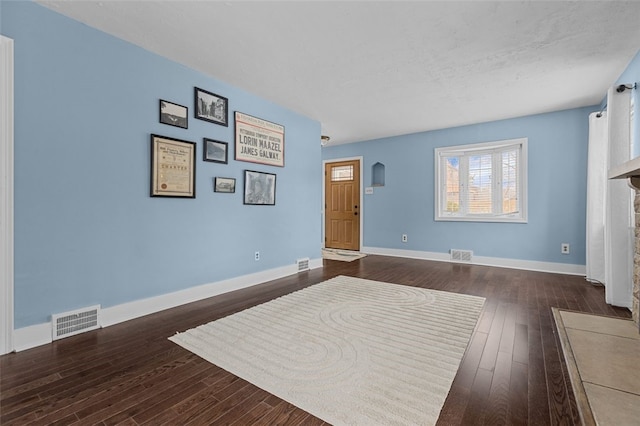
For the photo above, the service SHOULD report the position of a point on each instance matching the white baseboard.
(529, 265)
(32, 336)
(40, 334)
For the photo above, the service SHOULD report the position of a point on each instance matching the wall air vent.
(463, 256)
(303, 264)
(75, 322)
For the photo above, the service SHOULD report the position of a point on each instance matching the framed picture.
(259, 141)
(259, 188)
(214, 151)
(211, 107)
(223, 184)
(173, 167)
(174, 114)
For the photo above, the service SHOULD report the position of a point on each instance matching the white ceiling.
(368, 70)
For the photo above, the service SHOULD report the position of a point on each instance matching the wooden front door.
(342, 205)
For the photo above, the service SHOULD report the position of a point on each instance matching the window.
(339, 173)
(483, 182)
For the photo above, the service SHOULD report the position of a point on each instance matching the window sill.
(481, 219)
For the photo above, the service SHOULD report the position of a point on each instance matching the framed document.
(173, 167)
(259, 141)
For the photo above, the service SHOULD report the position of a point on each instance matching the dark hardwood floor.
(130, 374)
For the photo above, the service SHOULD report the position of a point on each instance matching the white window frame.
(475, 149)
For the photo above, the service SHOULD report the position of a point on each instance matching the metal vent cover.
(74, 322)
(303, 264)
(464, 256)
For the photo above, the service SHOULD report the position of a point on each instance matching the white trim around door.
(6, 195)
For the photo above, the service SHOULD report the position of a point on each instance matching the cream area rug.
(349, 351)
(342, 255)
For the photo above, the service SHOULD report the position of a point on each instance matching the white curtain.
(596, 193)
(610, 202)
(619, 255)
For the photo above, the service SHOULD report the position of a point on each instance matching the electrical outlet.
(257, 256)
(404, 238)
(564, 248)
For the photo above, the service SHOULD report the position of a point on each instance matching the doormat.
(341, 255)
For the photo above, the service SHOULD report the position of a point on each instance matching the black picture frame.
(259, 188)
(173, 167)
(215, 151)
(173, 114)
(211, 107)
(224, 184)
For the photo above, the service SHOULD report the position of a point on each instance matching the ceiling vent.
(464, 256)
(75, 322)
(303, 264)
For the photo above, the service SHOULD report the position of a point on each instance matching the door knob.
(355, 213)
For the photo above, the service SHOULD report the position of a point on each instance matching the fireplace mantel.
(629, 170)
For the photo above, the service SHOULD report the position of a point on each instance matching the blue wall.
(557, 190)
(86, 230)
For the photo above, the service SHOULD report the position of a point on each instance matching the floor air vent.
(461, 255)
(303, 264)
(75, 322)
